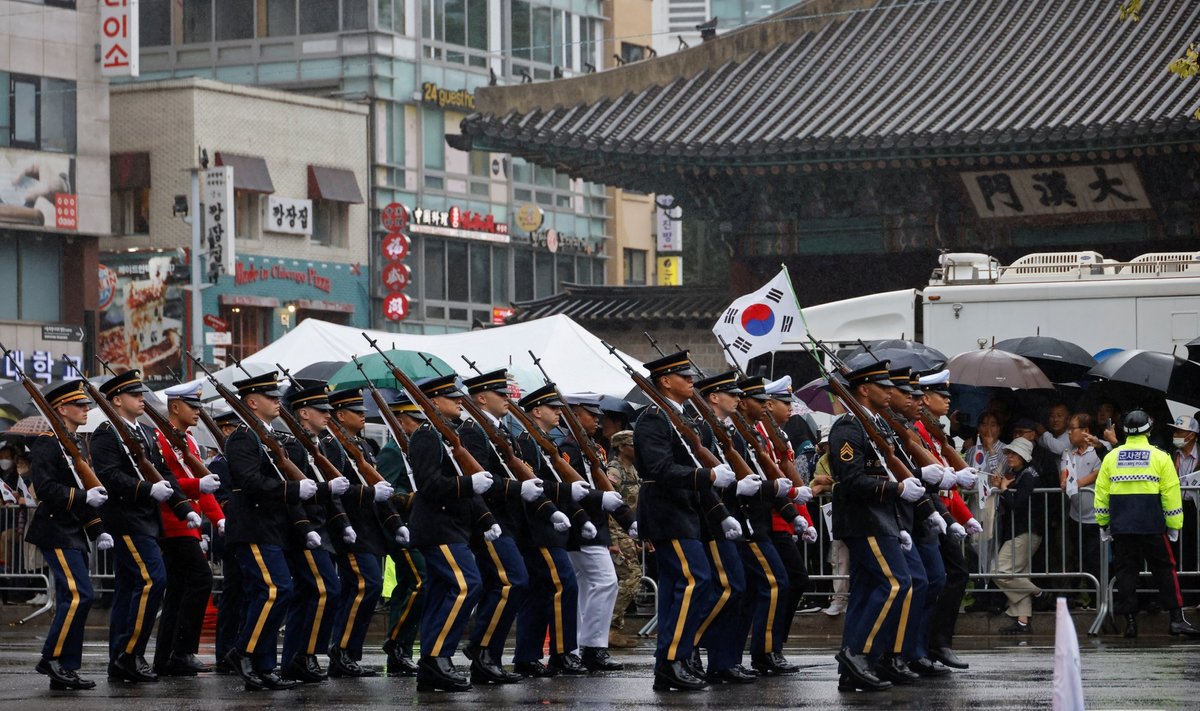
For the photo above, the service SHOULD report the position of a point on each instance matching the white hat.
(190, 394)
(780, 389)
(1187, 424)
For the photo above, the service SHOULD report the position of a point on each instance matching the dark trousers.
(505, 588)
(879, 585)
(361, 585)
(684, 583)
(408, 598)
(310, 609)
(138, 584)
(268, 586)
(551, 606)
(766, 585)
(1084, 551)
(718, 631)
(929, 554)
(944, 617)
(797, 575)
(231, 604)
(189, 583)
(73, 597)
(453, 590)
(1155, 549)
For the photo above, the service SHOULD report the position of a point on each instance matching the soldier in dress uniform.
(189, 576)
(626, 552)
(447, 509)
(132, 517)
(408, 598)
(64, 520)
(379, 526)
(315, 581)
(231, 602)
(264, 517)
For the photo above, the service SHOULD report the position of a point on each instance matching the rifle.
(385, 411)
(174, 437)
(587, 445)
(85, 476)
(916, 449)
(953, 458)
(283, 466)
(700, 453)
(466, 463)
(566, 473)
(324, 467)
(209, 423)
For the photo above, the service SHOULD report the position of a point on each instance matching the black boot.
(243, 667)
(782, 665)
(733, 675)
(535, 669)
(398, 664)
(62, 679)
(125, 668)
(487, 670)
(271, 680)
(438, 674)
(674, 675)
(597, 659)
(927, 667)
(947, 656)
(856, 673)
(1131, 626)
(304, 668)
(568, 664)
(1180, 626)
(892, 669)
(695, 664)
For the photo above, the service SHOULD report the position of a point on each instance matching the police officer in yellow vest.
(1140, 510)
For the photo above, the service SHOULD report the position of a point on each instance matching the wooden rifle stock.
(586, 444)
(370, 474)
(775, 436)
(911, 440)
(389, 418)
(740, 468)
(209, 423)
(953, 458)
(178, 442)
(133, 445)
(566, 472)
(898, 468)
(324, 466)
(765, 462)
(517, 466)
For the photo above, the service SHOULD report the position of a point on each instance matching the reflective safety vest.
(1137, 490)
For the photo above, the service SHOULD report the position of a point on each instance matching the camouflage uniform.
(628, 562)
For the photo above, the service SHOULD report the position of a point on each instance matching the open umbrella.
(997, 369)
(377, 370)
(1193, 349)
(321, 370)
(902, 354)
(1061, 361)
(1171, 375)
(32, 425)
(815, 396)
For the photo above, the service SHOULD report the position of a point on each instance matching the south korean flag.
(757, 323)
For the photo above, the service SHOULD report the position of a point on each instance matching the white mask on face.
(1179, 442)
(5, 465)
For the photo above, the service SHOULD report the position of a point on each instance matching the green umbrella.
(381, 375)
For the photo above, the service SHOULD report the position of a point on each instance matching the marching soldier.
(263, 515)
(132, 517)
(626, 552)
(62, 523)
(189, 577)
(408, 598)
(231, 603)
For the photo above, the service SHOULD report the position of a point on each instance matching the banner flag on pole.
(1068, 679)
(757, 323)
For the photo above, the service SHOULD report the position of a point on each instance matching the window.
(37, 113)
(58, 116)
(391, 16)
(235, 19)
(27, 265)
(632, 52)
(459, 23)
(247, 208)
(197, 21)
(131, 211)
(522, 44)
(434, 270)
(23, 111)
(500, 293)
(354, 14)
(523, 274)
(457, 273)
(433, 129)
(281, 18)
(481, 274)
(318, 16)
(154, 22)
(330, 223)
(543, 277)
(635, 267)
(249, 327)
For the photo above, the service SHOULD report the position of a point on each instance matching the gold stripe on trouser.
(145, 599)
(726, 593)
(769, 638)
(505, 588)
(322, 595)
(412, 599)
(458, 602)
(887, 605)
(66, 628)
(559, 644)
(362, 591)
(272, 595)
(904, 611)
(681, 621)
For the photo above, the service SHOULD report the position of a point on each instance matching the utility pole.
(197, 280)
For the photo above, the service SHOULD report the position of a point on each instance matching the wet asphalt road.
(1006, 675)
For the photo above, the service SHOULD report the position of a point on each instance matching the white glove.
(383, 491)
(161, 491)
(1173, 534)
(966, 477)
(937, 522)
(799, 524)
(911, 489)
(783, 486)
(481, 481)
(312, 540)
(731, 527)
(749, 486)
(931, 473)
(402, 535)
(559, 520)
(588, 531)
(104, 542)
(905, 541)
(611, 501)
(803, 495)
(348, 534)
(810, 534)
(633, 532)
(96, 497)
(221, 527)
(204, 543)
(209, 483)
(957, 532)
(973, 527)
(579, 489)
(949, 479)
(339, 485)
(308, 489)
(723, 476)
(531, 490)
(192, 519)
(1105, 535)
(492, 533)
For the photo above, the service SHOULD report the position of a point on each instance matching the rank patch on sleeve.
(846, 453)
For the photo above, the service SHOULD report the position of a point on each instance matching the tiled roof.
(593, 305)
(902, 79)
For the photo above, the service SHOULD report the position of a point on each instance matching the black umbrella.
(902, 354)
(1193, 349)
(321, 370)
(1175, 377)
(1061, 361)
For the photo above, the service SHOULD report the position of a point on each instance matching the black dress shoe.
(926, 667)
(125, 668)
(487, 670)
(535, 669)
(189, 661)
(62, 679)
(79, 682)
(438, 674)
(892, 669)
(694, 664)
(341, 665)
(947, 656)
(768, 665)
(305, 669)
(568, 664)
(783, 665)
(733, 675)
(145, 668)
(271, 680)
(243, 667)
(1017, 627)
(857, 673)
(597, 659)
(674, 675)
(743, 670)
(398, 664)
(222, 667)
(1131, 629)
(1180, 626)
(848, 682)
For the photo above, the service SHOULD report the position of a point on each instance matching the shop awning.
(263, 302)
(249, 172)
(129, 171)
(334, 184)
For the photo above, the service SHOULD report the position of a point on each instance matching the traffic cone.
(1068, 674)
